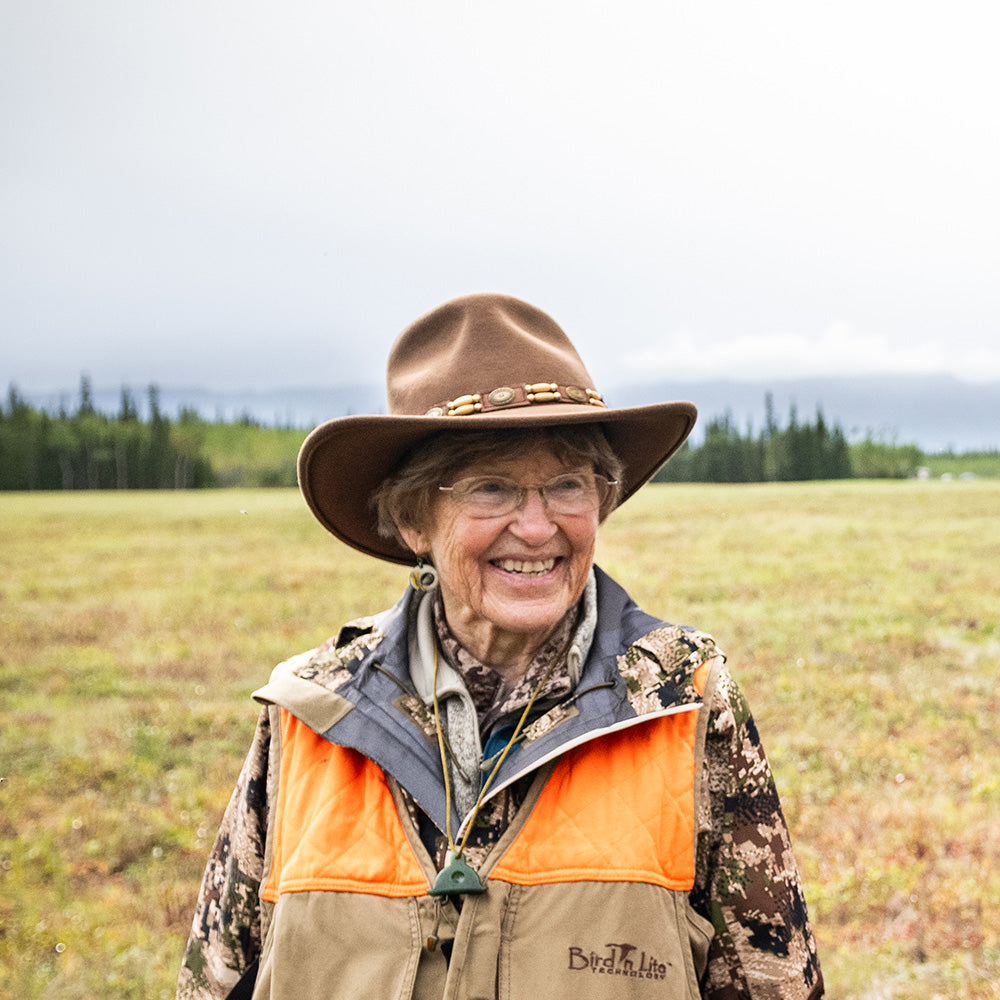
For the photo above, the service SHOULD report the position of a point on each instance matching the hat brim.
(343, 461)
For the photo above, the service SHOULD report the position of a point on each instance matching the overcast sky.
(246, 194)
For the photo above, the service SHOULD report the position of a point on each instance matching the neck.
(508, 653)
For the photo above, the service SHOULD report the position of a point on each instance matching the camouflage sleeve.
(747, 883)
(225, 933)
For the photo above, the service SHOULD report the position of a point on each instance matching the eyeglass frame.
(602, 489)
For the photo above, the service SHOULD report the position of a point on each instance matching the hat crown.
(476, 344)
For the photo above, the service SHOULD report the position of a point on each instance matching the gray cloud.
(258, 194)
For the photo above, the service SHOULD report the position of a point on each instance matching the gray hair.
(407, 496)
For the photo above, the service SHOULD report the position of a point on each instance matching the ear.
(415, 540)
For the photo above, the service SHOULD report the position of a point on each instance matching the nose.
(532, 522)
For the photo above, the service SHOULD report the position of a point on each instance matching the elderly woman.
(514, 783)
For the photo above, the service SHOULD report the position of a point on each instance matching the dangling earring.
(423, 576)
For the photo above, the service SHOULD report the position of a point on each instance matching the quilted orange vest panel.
(336, 827)
(617, 808)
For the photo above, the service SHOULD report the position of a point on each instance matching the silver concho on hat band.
(502, 396)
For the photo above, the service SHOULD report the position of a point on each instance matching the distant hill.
(934, 412)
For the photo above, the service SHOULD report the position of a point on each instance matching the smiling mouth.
(524, 567)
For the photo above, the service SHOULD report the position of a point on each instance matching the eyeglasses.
(496, 496)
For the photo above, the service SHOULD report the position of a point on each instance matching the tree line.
(798, 451)
(91, 450)
(85, 449)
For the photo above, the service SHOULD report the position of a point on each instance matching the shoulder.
(663, 665)
(329, 664)
(667, 666)
(308, 684)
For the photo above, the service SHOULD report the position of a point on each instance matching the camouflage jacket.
(746, 883)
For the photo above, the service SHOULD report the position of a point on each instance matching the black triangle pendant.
(457, 878)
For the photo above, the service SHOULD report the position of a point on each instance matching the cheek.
(460, 548)
(459, 569)
(583, 539)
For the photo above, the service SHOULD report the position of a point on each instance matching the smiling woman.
(507, 580)
(472, 793)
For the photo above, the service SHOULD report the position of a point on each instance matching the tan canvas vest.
(587, 889)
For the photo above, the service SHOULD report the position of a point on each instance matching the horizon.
(900, 411)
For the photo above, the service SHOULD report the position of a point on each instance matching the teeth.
(528, 568)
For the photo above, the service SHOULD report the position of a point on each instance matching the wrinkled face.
(519, 572)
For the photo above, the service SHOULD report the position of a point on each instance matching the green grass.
(861, 618)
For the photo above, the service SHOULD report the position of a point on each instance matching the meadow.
(861, 618)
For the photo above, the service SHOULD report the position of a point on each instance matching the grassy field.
(861, 619)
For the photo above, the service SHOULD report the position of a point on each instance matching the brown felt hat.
(474, 363)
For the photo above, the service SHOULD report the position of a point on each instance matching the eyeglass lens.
(491, 496)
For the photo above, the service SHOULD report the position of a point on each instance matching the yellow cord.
(458, 851)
